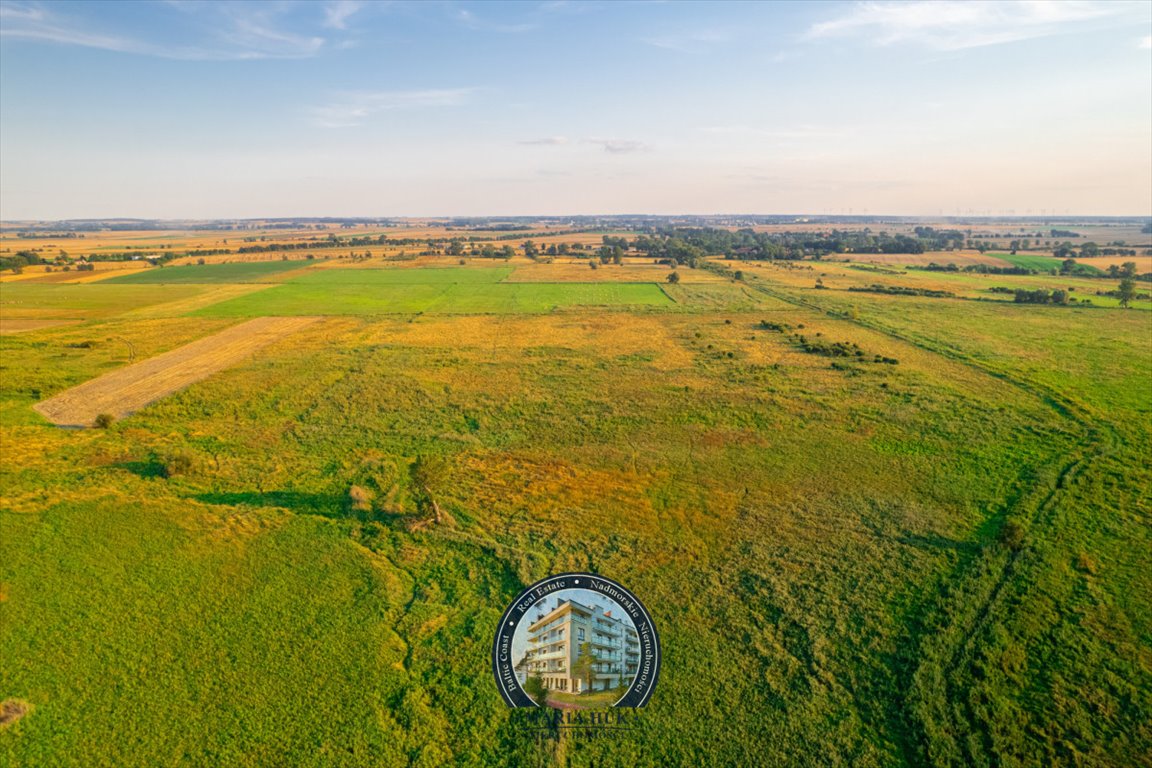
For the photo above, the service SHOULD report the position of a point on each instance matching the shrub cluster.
(900, 290)
(839, 349)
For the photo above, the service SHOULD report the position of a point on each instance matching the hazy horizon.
(1053, 217)
(202, 111)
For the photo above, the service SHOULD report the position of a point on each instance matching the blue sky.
(193, 110)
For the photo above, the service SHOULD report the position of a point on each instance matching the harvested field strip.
(85, 302)
(391, 275)
(129, 389)
(47, 273)
(199, 301)
(24, 324)
(78, 278)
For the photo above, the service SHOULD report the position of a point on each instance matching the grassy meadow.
(936, 561)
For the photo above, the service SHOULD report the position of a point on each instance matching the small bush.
(1085, 564)
(534, 687)
(1012, 535)
(104, 421)
(176, 463)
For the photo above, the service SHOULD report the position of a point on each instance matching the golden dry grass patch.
(623, 334)
(10, 325)
(39, 273)
(1143, 263)
(548, 490)
(12, 711)
(959, 258)
(126, 390)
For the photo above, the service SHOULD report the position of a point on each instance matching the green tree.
(1128, 269)
(674, 277)
(585, 665)
(428, 472)
(1126, 292)
(534, 687)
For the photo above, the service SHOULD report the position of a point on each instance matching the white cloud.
(958, 24)
(353, 108)
(1146, 42)
(472, 21)
(549, 141)
(612, 146)
(239, 31)
(256, 35)
(691, 42)
(337, 13)
(619, 146)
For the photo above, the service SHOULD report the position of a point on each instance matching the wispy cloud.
(1146, 42)
(619, 146)
(958, 24)
(561, 6)
(237, 32)
(254, 32)
(354, 107)
(337, 13)
(33, 22)
(798, 132)
(472, 21)
(612, 146)
(689, 42)
(548, 141)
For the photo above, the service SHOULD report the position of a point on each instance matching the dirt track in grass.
(126, 390)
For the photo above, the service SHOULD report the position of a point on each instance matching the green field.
(239, 272)
(384, 298)
(1039, 262)
(936, 562)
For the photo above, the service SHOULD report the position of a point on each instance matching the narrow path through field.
(129, 389)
